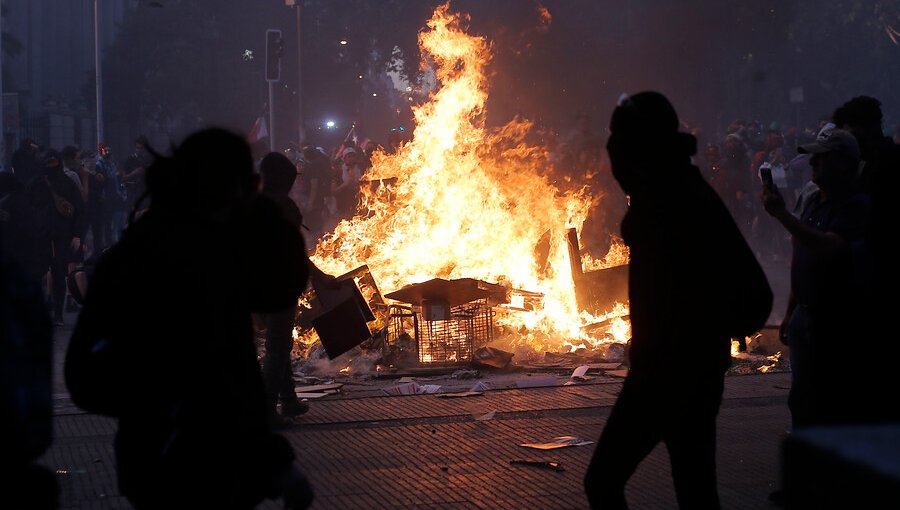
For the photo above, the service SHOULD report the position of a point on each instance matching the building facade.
(49, 84)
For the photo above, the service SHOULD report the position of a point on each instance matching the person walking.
(686, 253)
(278, 176)
(174, 298)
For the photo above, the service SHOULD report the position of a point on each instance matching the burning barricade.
(477, 247)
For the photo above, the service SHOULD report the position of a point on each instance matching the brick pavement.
(423, 452)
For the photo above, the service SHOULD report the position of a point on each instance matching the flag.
(349, 141)
(351, 136)
(258, 131)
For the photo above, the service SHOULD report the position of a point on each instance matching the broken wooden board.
(460, 394)
(319, 388)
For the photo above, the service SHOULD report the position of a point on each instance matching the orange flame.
(465, 201)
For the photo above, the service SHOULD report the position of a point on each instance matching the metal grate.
(455, 340)
(403, 334)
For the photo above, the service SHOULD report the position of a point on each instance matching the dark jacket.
(687, 257)
(41, 190)
(174, 299)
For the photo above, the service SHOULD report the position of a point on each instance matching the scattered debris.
(460, 394)
(407, 379)
(480, 386)
(618, 373)
(580, 373)
(546, 464)
(485, 416)
(603, 366)
(558, 442)
(465, 374)
(412, 388)
(492, 357)
(319, 388)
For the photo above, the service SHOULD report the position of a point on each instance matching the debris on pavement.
(558, 442)
(485, 416)
(480, 386)
(546, 464)
(465, 374)
(580, 373)
(492, 357)
(319, 388)
(412, 388)
(603, 366)
(460, 394)
(618, 373)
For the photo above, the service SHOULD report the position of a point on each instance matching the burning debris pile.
(474, 243)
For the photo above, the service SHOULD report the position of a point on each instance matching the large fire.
(467, 201)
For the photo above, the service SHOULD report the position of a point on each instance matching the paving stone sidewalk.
(425, 452)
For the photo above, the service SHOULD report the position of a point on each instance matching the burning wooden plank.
(599, 290)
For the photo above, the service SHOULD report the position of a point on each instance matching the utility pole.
(301, 133)
(97, 73)
(2, 113)
(274, 52)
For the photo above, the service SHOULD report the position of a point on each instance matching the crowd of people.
(61, 207)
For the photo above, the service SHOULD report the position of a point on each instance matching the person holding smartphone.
(828, 281)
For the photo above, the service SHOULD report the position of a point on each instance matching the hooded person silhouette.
(686, 253)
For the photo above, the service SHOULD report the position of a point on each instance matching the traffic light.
(274, 52)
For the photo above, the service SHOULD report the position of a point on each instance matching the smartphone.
(765, 176)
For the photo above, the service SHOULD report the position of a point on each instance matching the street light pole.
(2, 113)
(271, 116)
(301, 134)
(97, 73)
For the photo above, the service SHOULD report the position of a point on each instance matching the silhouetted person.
(829, 302)
(316, 170)
(54, 196)
(25, 230)
(278, 175)
(879, 178)
(26, 344)
(133, 170)
(25, 162)
(169, 310)
(686, 254)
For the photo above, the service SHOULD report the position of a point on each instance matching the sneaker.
(294, 408)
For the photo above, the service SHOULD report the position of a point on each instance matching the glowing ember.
(467, 201)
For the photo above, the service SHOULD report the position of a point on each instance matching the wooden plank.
(319, 388)
(312, 395)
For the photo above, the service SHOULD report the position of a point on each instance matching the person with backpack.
(686, 254)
